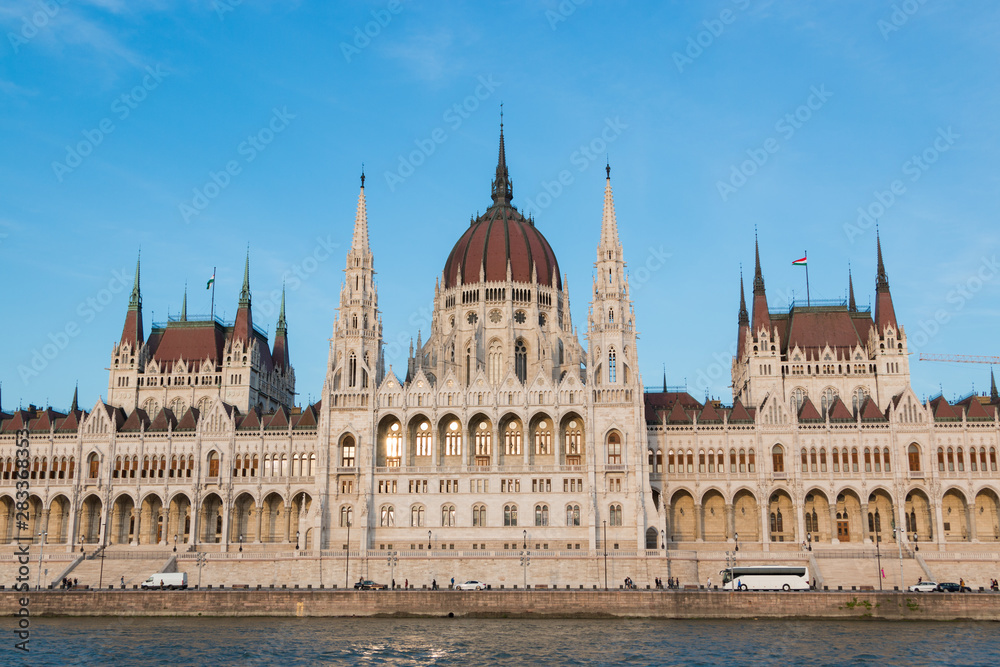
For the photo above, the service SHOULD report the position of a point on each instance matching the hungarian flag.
(800, 262)
(210, 281)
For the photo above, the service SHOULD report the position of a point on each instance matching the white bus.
(766, 578)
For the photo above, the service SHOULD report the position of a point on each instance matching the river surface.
(467, 642)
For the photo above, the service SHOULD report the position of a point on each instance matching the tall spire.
(282, 325)
(609, 222)
(503, 189)
(994, 397)
(132, 331)
(881, 279)
(245, 292)
(360, 241)
(744, 317)
(758, 275)
(74, 407)
(852, 305)
(279, 353)
(184, 305)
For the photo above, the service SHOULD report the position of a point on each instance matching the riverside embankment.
(512, 604)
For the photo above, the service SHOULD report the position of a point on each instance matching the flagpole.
(808, 301)
(213, 291)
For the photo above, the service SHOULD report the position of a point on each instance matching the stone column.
(938, 523)
(865, 535)
(137, 533)
(260, 518)
(288, 523)
(45, 525)
(833, 525)
(699, 522)
(800, 521)
(730, 521)
(115, 530)
(225, 523)
(971, 517)
(765, 523)
(195, 509)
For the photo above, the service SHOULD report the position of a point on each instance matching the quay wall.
(861, 605)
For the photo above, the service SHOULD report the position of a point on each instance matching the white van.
(169, 580)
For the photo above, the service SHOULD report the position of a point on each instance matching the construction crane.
(960, 358)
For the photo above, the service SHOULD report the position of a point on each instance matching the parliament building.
(509, 432)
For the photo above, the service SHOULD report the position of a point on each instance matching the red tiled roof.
(813, 329)
(191, 341)
(870, 411)
(277, 420)
(739, 413)
(307, 419)
(709, 414)
(942, 410)
(189, 421)
(164, 419)
(135, 421)
(839, 412)
(71, 422)
(250, 422)
(677, 415)
(808, 412)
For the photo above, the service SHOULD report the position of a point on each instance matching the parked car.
(924, 587)
(162, 580)
(369, 585)
(472, 586)
(952, 587)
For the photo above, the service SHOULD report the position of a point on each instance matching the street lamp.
(736, 536)
(175, 543)
(809, 541)
(428, 540)
(666, 552)
(391, 560)
(202, 558)
(916, 547)
(82, 539)
(296, 540)
(605, 544)
(525, 558)
(878, 553)
(241, 542)
(347, 551)
(41, 549)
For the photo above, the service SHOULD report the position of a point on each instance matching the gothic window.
(797, 399)
(479, 515)
(614, 449)
(424, 439)
(573, 439)
(387, 516)
(612, 367)
(393, 446)
(778, 458)
(448, 516)
(827, 399)
(417, 516)
(512, 439)
(468, 364)
(495, 316)
(543, 438)
(495, 362)
(611, 315)
(521, 361)
(510, 515)
(352, 371)
(93, 466)
(615, 515)
(347, 452)
(572, 515)
(483, 439)
(213, 465)
(541, 515)
(472, 318)
(453, 440)
(858, 398)
(520, 317)
(346, 516)
(354, 321)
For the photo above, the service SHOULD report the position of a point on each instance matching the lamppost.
(666, 552)
(736, 536)
(241, 542)
(175, 543)
(391, 560)
(916, 547)
(296, 540)
(202, 558)
(809, 541)
(525, 558)
(605, 544)
(428, 540)
(82, 539)
(878, 553)
(897, 535)
(730, 565)
(42, 535)
(104, 540)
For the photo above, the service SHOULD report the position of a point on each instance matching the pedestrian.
(76, 582)
(709, 584)
(123, 581)
(393, 584)
(434, 584)
(961, 585)
(406, 584)
(453, 582)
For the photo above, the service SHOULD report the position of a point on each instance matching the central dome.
(499, 237)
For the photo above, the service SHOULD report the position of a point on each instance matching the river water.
(466, 642)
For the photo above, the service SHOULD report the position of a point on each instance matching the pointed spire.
(609, 221)
(282, 325)
(852, 305)
(744, 317)
(503, 189)
(184, 305)
(279, 352)
(132, 331)
(664, 378)
(994, 397)
(135, 302)
(360, 240)
(758, 275)
(74, 407)
(881, 279)
(245, 293)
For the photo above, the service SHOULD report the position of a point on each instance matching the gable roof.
(808, 412)
(838, 412)
(189, 421)
(739, 413)
(136, 421)
(942, 410)
(870, 411)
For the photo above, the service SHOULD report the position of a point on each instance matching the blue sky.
(192, 129)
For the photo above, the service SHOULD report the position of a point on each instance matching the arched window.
(778, 458)
(468, 365)
(858, 398)
(484, 440)
(424, 439)
(521, 361)
(352, 365)
(752, 466)
(543, 438)
(346, 516)
(615, 515)
(611, 311)
(827, 398)
(393, 446)
(387, 516)
(93, 466)
(612, 367)
(868, 460)
(572, 515)
(118, 466)
(573, 440)
(854, 459)
(885, 460)
(960, 456)
(541, 515)
(453, 440)
(510, 515)
(347, 453)
(479, 515)
(512, 439)
(614, 448)
(448, 516)
(798, 397)
(494, 362)
(417, 516)
(213, 465)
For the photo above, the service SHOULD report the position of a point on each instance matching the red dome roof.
(500, 235)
